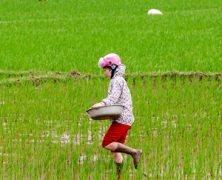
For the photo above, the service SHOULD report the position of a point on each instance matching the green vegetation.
(72, 35)
(45, 132)
(49, 77)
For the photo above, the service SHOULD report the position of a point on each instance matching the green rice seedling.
(66, 35)
(46, 133)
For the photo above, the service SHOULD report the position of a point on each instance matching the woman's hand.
(98, 104)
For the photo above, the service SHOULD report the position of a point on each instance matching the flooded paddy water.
(46, 134)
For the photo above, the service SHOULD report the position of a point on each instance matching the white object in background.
(154, 12)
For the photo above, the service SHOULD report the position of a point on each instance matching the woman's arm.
(115, 92)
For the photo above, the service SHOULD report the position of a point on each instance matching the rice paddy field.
(63, 35)
(49, 77)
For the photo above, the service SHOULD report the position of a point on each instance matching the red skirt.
(116, 133)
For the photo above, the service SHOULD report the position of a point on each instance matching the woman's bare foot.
(136, 158)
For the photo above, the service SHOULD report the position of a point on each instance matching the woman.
(118, 93)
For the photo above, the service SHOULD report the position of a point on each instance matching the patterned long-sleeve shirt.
(119, 93)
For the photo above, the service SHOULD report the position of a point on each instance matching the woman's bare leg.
(118, 147)
(118, 158)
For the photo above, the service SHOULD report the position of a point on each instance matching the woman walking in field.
(118, 93)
